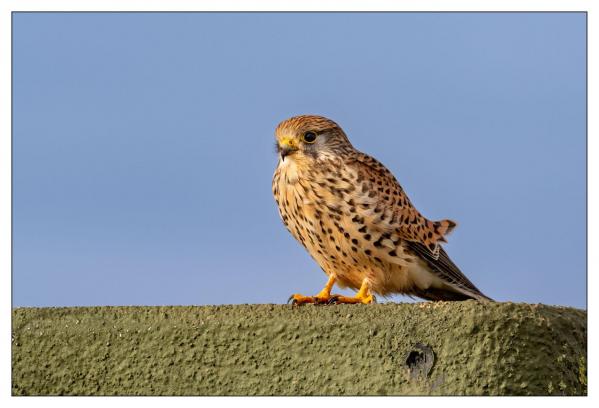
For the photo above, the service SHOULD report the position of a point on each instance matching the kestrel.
(355, 220)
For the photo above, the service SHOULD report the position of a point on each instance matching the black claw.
(318, 301)
(333, 300)
(291, 301)
(374, 299)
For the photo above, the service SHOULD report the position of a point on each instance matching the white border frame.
(8, 6)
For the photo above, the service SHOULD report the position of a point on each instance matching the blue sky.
(143, 147)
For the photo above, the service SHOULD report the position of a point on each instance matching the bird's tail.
(444, 228)
(436, 294)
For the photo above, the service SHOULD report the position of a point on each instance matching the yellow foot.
(338, 299)
(297, 299)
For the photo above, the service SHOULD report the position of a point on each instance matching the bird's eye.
(309, 137)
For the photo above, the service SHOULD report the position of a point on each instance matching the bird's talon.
(300, 300)
(294, 301)
(291, 301)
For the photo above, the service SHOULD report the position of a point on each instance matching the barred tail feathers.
(444, 228)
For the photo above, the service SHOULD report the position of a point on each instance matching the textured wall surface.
(478, 349)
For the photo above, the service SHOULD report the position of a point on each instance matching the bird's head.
(310, 137)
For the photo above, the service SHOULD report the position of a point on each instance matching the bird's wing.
(447, 271)
(384, 205)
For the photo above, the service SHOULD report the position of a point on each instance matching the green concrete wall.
(478, 349)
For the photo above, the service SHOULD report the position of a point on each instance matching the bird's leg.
(363, 296)
(323, 297)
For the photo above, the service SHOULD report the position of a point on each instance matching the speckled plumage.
(355, 220)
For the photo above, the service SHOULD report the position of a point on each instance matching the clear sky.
(143, 147)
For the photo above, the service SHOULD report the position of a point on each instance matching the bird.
(355, 220)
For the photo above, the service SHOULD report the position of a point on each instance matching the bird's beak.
(286, 151)
(287, 146)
